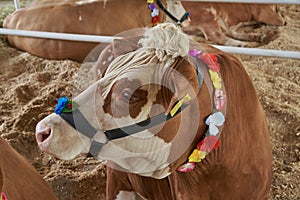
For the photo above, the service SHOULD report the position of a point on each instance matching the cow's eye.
(129, 96)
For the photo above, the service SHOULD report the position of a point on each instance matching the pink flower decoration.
(187, 167)
(219, 99)
(194, 52)
(208, 143)
(211, 61)
(3, 196)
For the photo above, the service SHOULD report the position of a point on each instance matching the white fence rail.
(251, 1)
(17, 2)
(108, 39)
(259, 52)
(57, 36)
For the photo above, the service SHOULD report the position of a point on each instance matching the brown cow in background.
(218, 22)
(19, 180)
(98, 17)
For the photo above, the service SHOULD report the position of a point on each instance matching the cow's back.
(267, 14)
(96, 18)
(206, 13)
(18, 178)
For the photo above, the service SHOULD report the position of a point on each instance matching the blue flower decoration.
(62, 101)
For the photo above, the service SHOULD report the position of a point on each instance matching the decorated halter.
(69, 111)
(165, 52)
(155, 13)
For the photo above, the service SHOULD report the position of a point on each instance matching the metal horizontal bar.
(108, 39)
(251, 1)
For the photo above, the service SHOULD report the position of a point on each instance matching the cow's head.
(151, 78)
(177, 10)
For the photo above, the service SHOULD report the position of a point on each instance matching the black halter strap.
(77, 120)
(177, 21)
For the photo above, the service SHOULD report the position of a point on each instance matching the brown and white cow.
(96, 17)
(143, 78)
(218, 22)
(18, 178)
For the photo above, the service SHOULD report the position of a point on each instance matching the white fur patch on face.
(64, 142)
(143, 153)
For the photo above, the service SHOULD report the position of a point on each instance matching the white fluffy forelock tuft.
(166, 39)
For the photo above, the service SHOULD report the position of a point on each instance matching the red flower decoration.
(155, 20)
(211, 61)
(69, 106)
(208, 143)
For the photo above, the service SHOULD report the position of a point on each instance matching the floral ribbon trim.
(3, 196)
(65, 105)
(216, 119)
(154, 12)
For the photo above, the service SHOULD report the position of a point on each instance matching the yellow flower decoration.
(214, 76)
(197, 156)
(150, 1)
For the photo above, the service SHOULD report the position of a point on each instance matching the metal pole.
(251, 1)
(259, 52)
(108, 39)
(17, 4)
(58, 36)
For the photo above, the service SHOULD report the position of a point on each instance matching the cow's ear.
(183, 82)
(116, 48)
(102, 62)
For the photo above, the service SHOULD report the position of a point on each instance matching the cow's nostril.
(43, 135)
